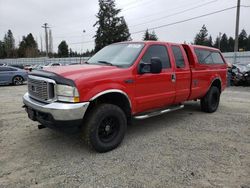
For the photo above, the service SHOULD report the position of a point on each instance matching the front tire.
(17, 80)
(211, 101)
(105, 127)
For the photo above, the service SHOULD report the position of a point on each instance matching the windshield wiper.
(105, 62)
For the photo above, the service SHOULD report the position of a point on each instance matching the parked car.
(20, 66)
(240, 74)
(27, 67)
(34, 67)
(12, 75)
(37, 67)
(52, 65)
(74, 63)
(124, 81)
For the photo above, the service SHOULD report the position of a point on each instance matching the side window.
(7, 69)
(217, 58)
(157, 51)
(179, 59)
(204, 56)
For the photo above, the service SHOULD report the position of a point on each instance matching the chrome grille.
(40, 88)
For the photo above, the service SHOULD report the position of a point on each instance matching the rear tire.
(17, 80)
(105, 127)
(211, 101)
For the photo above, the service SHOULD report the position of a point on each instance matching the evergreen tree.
(22, 48)
(28, 47)
(230, 44)
(2, 50)
(248, 43)
(209, 41)
(9, 44)
(63, 50)
(217, 42)
(146, 35)
(224, 43)
(31, 46)
(243, 40)
(110, 27)
(149, 36)
(201, 37)
(71, 53)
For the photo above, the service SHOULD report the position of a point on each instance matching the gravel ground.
(186, 148)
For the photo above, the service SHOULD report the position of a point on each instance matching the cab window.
(159, 51)
(208, 56)
(217, 59)
(178, 56)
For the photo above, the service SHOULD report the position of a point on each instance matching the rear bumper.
(55, 112)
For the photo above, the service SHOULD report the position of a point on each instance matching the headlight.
(67, 93)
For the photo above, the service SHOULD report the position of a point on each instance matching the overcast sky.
(68, 19)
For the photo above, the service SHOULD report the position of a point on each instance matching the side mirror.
(156, 65)
(144, 68)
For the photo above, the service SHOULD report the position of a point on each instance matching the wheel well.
(17, 76)
(116, 99)
(217, 83)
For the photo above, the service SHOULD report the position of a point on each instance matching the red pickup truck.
(124, 81)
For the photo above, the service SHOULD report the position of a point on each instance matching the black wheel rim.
(108, 129)
(215, 99)
(18, 80)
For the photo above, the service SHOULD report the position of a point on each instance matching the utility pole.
(236, 43)
(82, 46)
(50, 42)
(41, 43)
(45, 26)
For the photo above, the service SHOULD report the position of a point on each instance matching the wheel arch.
(217, 83)
(113, 96)
(17, 75)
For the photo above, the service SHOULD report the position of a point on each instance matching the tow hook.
(41, 126)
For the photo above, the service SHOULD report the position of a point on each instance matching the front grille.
(41, 89)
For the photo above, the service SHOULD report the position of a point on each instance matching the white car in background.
(52, 65)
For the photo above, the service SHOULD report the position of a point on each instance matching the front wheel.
(105, 127)
(17, 80)
(211, 101)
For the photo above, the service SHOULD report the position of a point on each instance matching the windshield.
(121, 55)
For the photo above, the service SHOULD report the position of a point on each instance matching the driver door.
(155, 90)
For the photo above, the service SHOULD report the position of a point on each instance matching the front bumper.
(54, 112)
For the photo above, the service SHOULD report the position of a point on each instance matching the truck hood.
(74, 72)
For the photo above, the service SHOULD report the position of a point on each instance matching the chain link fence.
(237, 57)
(231, 57)
(43, 61)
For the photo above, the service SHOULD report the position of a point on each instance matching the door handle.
(173, 77)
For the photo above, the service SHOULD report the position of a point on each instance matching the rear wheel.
(211, 101)
(105, 127)
(17, 80)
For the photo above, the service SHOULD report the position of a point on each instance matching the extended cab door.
(182, 74)
(155, 90)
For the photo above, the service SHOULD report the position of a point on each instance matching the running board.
(160, 112)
